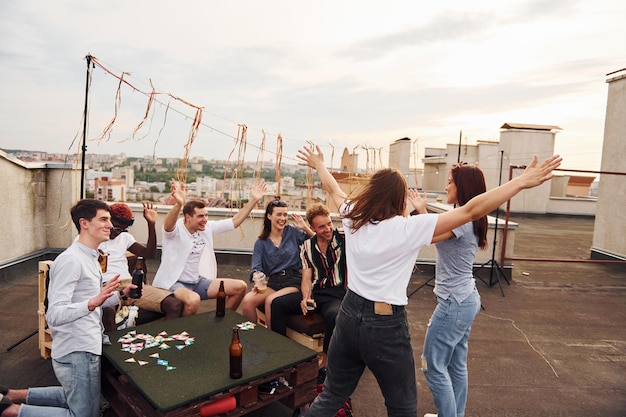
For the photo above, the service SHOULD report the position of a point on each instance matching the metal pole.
(85, 115)
(495, 232)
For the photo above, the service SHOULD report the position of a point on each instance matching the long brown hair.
(269, 209)
(382, 198)
(470, 182)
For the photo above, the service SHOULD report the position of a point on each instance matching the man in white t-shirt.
(188, 265)
(152, 298)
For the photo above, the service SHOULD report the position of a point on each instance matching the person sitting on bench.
(154, 299)
(324, 277)
(188, 264)
(276, 253)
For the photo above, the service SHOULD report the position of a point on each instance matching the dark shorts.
(284, 279)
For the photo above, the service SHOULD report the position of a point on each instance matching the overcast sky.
(339, 73)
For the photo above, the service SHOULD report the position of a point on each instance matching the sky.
(340, 74)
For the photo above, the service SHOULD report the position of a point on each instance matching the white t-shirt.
(191, 272)
(380, 257)
(178, 244)
(117, 262)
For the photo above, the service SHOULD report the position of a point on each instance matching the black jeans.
(328, 301)
(380, 342)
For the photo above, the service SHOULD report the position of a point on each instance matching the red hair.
(122, 213)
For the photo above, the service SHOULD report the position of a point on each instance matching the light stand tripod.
(423, 284)
(494, 267)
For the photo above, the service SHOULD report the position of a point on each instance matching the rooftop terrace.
(554, 345)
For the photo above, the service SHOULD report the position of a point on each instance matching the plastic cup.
(260, 280)
(310, 308)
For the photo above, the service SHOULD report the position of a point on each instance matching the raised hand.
(179, 191)
(258, 190)
(310, 158)
(298, 221)
(149, 213)
(535, 175)
(418, 201)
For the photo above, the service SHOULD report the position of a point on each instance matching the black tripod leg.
(477, 275)
(502, 274)
(23, 339)
(499, 275)
(421, 286)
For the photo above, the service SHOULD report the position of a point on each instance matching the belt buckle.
(283, 272)
(382, 308)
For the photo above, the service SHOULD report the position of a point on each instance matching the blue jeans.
(78, 395)
(444, 361)
(380, 342)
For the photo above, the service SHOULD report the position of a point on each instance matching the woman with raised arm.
(444, 359)
(381, 247)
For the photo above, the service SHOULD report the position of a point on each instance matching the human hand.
(149, 213)
(298, 221)
(179, 191)
(306, 303)
(310, 158)
(535, 175)
(418, 201)
(258, 190)
(107, 290)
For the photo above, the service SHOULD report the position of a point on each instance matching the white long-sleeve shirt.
(75, 277)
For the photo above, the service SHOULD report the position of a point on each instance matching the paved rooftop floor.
(554, 345)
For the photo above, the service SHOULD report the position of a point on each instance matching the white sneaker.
(430, 415)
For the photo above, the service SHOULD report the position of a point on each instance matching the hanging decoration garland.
(240, 140)
(145, 117)
(279, 159)
(118, 102)
(193, 133)
(241, 135)
(259, 158)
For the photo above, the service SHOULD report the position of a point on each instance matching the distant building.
(109, 189)
(400, 159)
(90, 179)
(438, 163)
(519, 142)
(125, 173)
(349, 161)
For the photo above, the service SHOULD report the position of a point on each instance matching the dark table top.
(201, 368)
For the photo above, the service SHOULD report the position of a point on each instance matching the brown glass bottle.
(236, 354)
(221, 301)
(138, 277)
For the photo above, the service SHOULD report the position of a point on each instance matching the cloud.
(445, 28)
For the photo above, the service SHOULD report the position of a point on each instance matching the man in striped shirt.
(324, 276)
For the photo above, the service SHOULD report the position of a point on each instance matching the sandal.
(4, 403)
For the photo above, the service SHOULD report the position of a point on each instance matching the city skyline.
(429, 72)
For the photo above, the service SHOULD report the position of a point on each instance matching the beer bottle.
(235, 350)
(221, 301)
(138, 277)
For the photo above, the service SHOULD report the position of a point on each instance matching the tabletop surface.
(194, 363)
